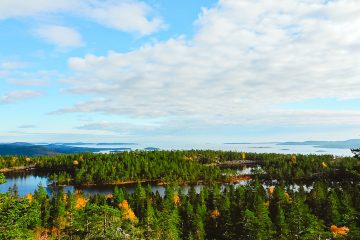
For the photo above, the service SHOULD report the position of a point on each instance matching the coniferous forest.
(285, 197)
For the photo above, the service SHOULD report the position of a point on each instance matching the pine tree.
(333, 215)
(302, 223)
(276, 207)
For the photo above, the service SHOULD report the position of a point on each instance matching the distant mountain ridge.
(346, 144)
(29, 149)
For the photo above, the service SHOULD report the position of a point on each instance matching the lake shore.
(159, 182)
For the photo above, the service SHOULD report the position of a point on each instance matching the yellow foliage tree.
(214, 214)
(76, 162)
(29, 197)
(128, 213)
(243, 155)
(288, 198)
(176, 199)
(293, 159)
(324, 165)
(80, 201)
(271, 190)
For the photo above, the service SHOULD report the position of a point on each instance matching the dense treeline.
(279, 166)
(193, 165)
(329, 211)
(89, 168)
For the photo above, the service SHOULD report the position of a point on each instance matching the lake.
(267, 147)
(28, 182)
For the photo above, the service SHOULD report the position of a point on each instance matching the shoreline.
(18, 169)
(235, 179)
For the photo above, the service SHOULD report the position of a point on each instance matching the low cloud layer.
(246, 59)
(116, 126)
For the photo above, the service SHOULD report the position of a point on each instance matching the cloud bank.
(246, 58)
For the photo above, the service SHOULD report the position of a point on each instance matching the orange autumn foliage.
(124, 205)
(271, 190)
(64, 197)
(29, 197)
(336, 231)
(235, 179)
(214, 214)
(128, 213)
(80, 202)
(54, 231)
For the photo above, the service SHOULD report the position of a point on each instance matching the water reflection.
(28, 182)
(25, 182)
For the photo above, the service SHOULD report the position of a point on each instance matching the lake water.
(247, 147)
(28, 182)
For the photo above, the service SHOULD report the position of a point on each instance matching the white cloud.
(16, 96)
(127, 16)
(124, 15)
(246, 58)
(19, 8)
(61, 36)
(28, 82)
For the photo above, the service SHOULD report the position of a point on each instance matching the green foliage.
(191, 216)
(224, 212)
(2, 178)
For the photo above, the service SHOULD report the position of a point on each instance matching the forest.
(289, 197)
(178, 166)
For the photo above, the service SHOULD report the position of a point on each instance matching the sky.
(179, 71)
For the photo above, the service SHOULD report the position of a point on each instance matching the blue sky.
(179, 71)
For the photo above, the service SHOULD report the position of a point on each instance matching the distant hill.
(28, 149)
(347, 144)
